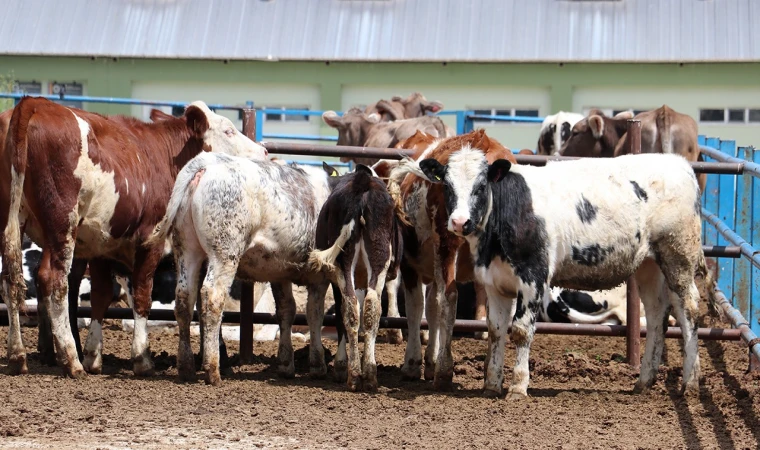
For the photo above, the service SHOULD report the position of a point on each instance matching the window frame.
(494, 111)
(726, 115)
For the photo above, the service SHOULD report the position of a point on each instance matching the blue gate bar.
(754, 315)
(711, 151)
(744, 247)
(117, 101)
(711, 201)
(742, 267)
(299, 137)
(726, 212)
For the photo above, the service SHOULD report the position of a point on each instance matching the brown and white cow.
(415, 105)
(433, 254)
(358, 222)
(88, 186)
(356, 128)
(663, 130)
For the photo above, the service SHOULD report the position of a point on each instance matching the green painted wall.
(109, 77)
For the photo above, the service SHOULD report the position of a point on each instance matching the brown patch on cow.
(196, 121)
(526, 151)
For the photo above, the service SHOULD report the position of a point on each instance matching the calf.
(358, 222)
(90, 187)
(415, 105)
(434, 254)
(355, 128)
(555, 131)
(586, 224)
(663, 130)
(254, 220)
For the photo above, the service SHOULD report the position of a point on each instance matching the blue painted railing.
(731, 204)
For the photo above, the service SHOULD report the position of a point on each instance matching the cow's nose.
(458, 224)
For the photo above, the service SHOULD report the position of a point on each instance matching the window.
(67, 89)
(277, 117)
(178, 111)
(729, 115)
(27, 87)
(520, 112)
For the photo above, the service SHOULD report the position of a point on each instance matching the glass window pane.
(484, 112)
(736, 115)
(526, 112)
(712, 115)
(754, 115)
(639, 111)
(503, 112)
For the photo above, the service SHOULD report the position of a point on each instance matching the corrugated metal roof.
(386, 30)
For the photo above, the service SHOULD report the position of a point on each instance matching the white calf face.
(220, 134)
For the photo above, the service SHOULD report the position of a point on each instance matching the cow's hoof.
(318, 372)
(17, 365)
(443, 384)
(142, 366)
(287, 372)
(93, 370)
(187, 376)
(429, 371)
(411, 370)
(354, 382)
(394, 337)
(481, 335)
(641, 387)
(77, 374)
(490, 393)
(92, 364)
(214, 379)
(690, 389)
(48, 358)
(516, 396)
(370, 385)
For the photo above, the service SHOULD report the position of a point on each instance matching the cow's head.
(219, 134)
(334, 177)
(416, 105)
(353, 127)
(596, 136)
(555, 131)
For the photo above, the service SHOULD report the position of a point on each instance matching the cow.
(355, 128)
(663, 130)
(587, 224)
(415, 105)
(358, 222)
(433, 254)
(254, 220)
(91, 187)
(555, 131)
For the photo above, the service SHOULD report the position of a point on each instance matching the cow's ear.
(365, 169)
(385, 107)
(433, 170)
(596, 123)
(331, 118)
(433, 107)
(373, 118)
(197, 121)
(624, 115)
(498, 170)
(329, 169)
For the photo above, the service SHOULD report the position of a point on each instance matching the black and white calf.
(586, 224)
(358, 222)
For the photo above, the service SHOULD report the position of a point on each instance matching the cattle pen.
(730, 205)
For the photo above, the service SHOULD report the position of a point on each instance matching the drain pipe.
(739, 322)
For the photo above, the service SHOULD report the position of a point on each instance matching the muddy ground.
(580, 398)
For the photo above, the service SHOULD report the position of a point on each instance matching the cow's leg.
(285, 307)
(76, 275)
(649, 279)
(413, 300)
(499, 315)
(425, 334)
(100, 294)
(393, 335)
(685, 303)
(377, 269)
(340, 364)
(447, 295)
(13, 283)
(146, 261)
(189, 261)
(214, 292)
(523, 328)
(45, 345)
(433, 316)
(480, 307)
(315, 308)
(350, 311)
(57, 256)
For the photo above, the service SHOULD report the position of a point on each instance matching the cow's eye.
(229, 132)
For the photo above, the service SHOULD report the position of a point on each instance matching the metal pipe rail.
(287, 148)
(118, 101)
(749, 167)
(740, 324)
(460, 325)
(746, 249)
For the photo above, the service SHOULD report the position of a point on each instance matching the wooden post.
(633, 301)
(246, 295)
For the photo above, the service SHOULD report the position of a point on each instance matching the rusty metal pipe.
(246, 294)
(633, 301)
(460, 325)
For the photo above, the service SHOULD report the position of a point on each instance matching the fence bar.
(746, 249)
(725, 251)
(742, 268)
(711, 150)
(727, 212)
(116, 100)
(246, 294)
(300, 137)
(755, 240)
(633, 301)
(740, 323)
(460, 325)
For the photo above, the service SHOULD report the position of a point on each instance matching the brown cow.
(432, 254)
(416, 105)
(663, 130)
(88, 186)
(355, 128)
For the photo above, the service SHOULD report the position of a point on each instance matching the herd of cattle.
(192, 194)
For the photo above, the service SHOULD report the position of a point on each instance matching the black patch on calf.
(586, 211)
(582, 302)
(515, 233)
(566, 131)
(558, 311)
(547, 139)
(591, 255)
(638, 235)
(520, 309)
(640, 192)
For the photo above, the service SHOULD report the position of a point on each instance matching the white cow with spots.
(555, 131)
(586, 224)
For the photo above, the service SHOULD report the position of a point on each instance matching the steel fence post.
(633, 301)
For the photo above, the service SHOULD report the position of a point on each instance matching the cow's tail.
(324, 260)
(405, 167)
(16, 145)
(187, 179)
(665, 130)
